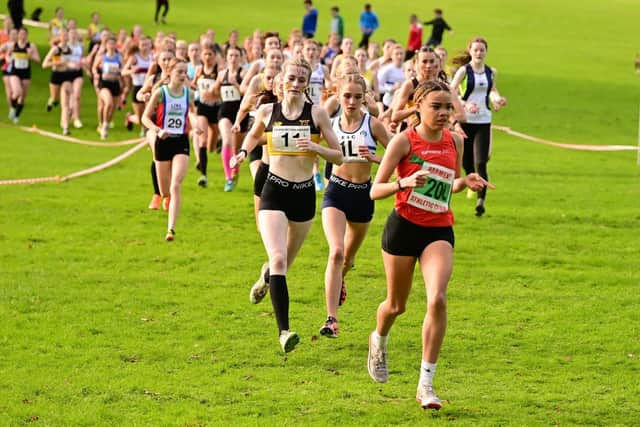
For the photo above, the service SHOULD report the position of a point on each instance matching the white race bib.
(205, 84)
(435, 195)
(229, 93)
(350, 145)
(283, 138)
(315, 92)
(21, 63)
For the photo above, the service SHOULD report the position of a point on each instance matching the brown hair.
(465, 56)
(427, 87)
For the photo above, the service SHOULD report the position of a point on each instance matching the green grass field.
(103, 323)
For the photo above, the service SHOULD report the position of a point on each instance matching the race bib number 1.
(435, 195)
(283, 138)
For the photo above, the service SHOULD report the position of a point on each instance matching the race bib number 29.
(435, 195)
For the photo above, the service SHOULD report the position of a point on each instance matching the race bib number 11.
(283, 138)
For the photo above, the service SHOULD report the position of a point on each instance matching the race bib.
(229, 93)
(315, 92)
(350, 146)
(112, 68)
(435, 195)
(20, 63)
(175, 125)
(205, 84)
(283, 138)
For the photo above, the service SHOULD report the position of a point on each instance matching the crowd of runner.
(305, 101)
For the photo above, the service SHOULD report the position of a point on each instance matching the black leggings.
(477, 148)
(159, 4)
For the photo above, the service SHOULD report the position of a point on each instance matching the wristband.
(242, 150)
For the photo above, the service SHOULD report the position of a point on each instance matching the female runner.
(419, 229)
(287, 205)
(170, 105)
(347, 209)
(21, 53)
(477, 84)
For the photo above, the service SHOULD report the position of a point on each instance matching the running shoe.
(77, 124)
(261, 287)
(288, 340)
(427, 397)
(171, 235)
(202, 182)
(317, 179)
(343, 294)
(12, 113)
(165, 203)
(65, 131)
(330, 328)
(156, 201)
(228, 185)
(377, 364)
(15, 120)
(480, 207)
(128, 123)
(50, 105)
(104, 133)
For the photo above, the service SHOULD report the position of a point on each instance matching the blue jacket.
(368, 22)
(310, 21)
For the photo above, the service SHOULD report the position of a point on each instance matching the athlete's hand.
(162, 134)
(499, 103)
(236, 160)
(235, 128)
(476, 183)
(457, 128)
(418, 179)
(305, 144)
(472, 108)
(365, 153)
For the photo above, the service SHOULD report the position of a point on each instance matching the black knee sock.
(204, 159)
(154, 179)
(19, 108)
(280, 300)
(14, 102)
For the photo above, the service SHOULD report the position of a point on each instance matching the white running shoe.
(104, 133)
(12, 113)
(288, 340)
(65, 131)
(15, 120)
(377, 364)
(260, 288)
(427, 397)
(77, 124)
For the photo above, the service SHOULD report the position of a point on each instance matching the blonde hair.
(353, 78)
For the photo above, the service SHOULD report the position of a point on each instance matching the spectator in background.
(368, 24)
(161, 4)
(309, 20)
(439, 25)
(415, 37)
(337, 23)
(16, 10)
